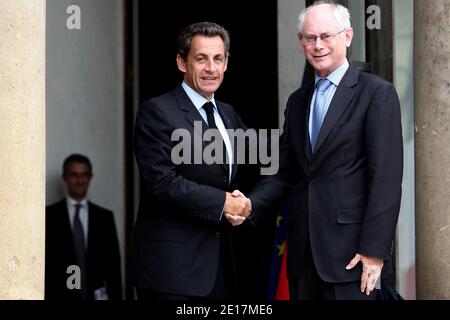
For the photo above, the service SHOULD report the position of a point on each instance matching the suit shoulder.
(299, 95)
(373, 80)
(100, 209)
(55, 215)
(57, 206)
(302, 91)
(161, 102)
(294, 95)
(158, 109)
(101, 213)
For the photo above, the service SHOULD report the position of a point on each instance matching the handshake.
(237, 207)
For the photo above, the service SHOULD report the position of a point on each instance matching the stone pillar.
(22, 142)
(432, 156)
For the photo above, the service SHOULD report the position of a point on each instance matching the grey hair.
(340, 12)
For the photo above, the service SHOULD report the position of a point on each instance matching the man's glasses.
(308, 39)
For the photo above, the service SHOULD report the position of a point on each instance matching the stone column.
(22, 142)
(432, 156)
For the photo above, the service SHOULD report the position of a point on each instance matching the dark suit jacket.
(177, 233)
(103, 267)
(347, 194)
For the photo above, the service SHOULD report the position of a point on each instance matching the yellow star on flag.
(280, 248)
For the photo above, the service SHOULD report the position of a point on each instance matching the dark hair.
(76, 158)
(208, 29)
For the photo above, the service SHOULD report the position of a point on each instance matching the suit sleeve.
(271, 189)
(384, 151)
(158, 173)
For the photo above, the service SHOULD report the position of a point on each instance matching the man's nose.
(210, 66)
(318, 44)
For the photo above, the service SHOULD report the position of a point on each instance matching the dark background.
(250, 85)
(251, 80)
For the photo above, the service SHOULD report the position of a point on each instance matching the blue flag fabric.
(277, 252)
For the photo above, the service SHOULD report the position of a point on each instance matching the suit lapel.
(226, 118)
(92, 230)
(307, 147)
(65, 216)
(65, 224)
(191, 112)
(298, 129)
(299, 123)
(228, 123)
(60, 222)
(341, 100)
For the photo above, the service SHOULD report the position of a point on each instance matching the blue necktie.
(318, 113)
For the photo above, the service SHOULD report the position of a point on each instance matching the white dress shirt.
(198, 101)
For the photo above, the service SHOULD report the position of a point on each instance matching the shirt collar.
(336, 76)
(73, 202)
(197, 99)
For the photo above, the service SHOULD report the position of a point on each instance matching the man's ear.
(348, 37)
(181, 64)
(226, 64)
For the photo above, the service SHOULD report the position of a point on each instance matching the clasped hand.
(237, 207)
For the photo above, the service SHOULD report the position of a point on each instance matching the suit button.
(225, 179)
(217, 234)
(312, 182)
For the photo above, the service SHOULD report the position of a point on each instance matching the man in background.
(82, 234)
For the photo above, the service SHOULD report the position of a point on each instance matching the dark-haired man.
(81, 234)
(182, 232)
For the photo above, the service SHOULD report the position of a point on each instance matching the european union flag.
(278, 252)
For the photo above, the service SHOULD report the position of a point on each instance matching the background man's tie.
(80, 248)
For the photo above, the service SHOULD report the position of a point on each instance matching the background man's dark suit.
(177, 232)
(102, 257)
(345, 196)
